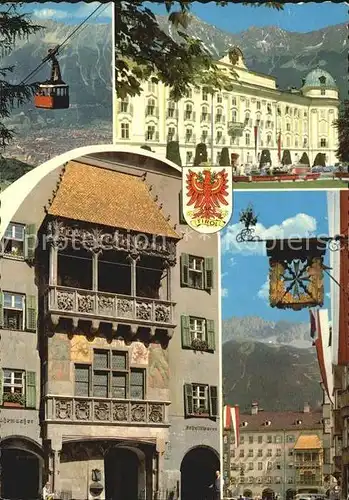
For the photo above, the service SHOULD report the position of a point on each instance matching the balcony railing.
(86, 304)
(83, 410)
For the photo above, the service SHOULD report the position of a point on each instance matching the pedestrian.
(216, 486)
(46, 492)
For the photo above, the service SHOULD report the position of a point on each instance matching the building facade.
(279, 455)
(255, 117)
(109, 341)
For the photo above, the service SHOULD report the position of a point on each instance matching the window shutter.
(185, 330)
(1, 310)
(181, 214)
(213, 401)
(188, 400)
(211, 341)
(30, 389)
(208, 273)
(30, 242)
(184, 269)
(31, 312)
(1, 385)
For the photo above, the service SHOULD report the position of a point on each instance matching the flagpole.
(212, 130)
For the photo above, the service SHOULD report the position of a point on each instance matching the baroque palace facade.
(255, 116)
(280, 454)
(109, 337)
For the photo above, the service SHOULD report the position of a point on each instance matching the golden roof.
(109, 198)
(308, 442)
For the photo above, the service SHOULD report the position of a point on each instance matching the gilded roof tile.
(106, 197)
(308, 442)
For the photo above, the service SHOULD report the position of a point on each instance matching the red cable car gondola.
(54, 93)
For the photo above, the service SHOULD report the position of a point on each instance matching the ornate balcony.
(78, 304)
(81, 410)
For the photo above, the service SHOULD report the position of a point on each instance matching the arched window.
(234, 116)
(125, 130)
(151, 107)
(188, 111)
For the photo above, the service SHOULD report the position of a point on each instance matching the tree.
(304, 159)
(265, 158)
(342, 126)
(286, 157)
(14, 26)
(143, 50)
(320, 160)
(172, 153)
(200, 154)
(224, 160)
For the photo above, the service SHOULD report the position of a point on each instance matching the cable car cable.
(74, 32)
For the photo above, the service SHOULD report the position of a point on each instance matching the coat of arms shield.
(207, 197)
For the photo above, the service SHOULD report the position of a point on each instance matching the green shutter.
(1, 385)
(185, 330)
(211, 340)
(181, 214)
(184, 269)
(30, 389)
(1, 309)
(30, 242)
(31, 312)
(208, 273)
(188, 400)
(213, 401)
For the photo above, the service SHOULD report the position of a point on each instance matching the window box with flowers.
(200, 401)
(199, 345)
(198, 334)
(13, 400)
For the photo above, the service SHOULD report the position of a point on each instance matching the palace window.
(188, 135)
(290, 480)
(197, 272)
(288, 141)
(250, 466)
(13, 241)
(218, 157)
(152, 86)
(150, 107)
(323, 91)
(125, 131)
(258, 104)
(171, 109)
(234, 116)
(247, 118)
(204, 95)
(250, 439)
(219, 98)
(204, 114)
(201, 400)
(260, 439)
(124, 105)
(268, 140)
(269, 452)
(233, 101)
(188, 113)
(242, 453)
(288, 127)
(269, 439)
(278, 452)
(151, 133)
(278, 439)
(247, 139)
(219, 116)
(219, 136)
(242, 439)
(250, 453)
(247, 103)
(260, 465)
(323, 143)
(269, 465)
(269, 109)
(204, 135)
(188, 157)
(109, 376)
(189, 93)
(171, 134)
(287, 110)
(260, 453)
(198, 333)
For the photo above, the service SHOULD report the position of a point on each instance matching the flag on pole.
(232, 421)
(256, 140)
(323, 349)
(279, 146)
(314, 324)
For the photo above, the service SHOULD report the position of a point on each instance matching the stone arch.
(198, 468)
(268, 494)
(247, 494)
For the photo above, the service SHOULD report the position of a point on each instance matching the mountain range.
(279, 377)
(86, 62)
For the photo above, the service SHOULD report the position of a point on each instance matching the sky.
(245, 266)
(234, 18)
(70, 13)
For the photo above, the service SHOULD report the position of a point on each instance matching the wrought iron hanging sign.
(296, 272)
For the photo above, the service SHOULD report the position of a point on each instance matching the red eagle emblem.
(207, 191)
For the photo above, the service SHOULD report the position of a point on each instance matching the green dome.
(319, 78)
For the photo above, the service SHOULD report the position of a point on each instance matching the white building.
(255, 116)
